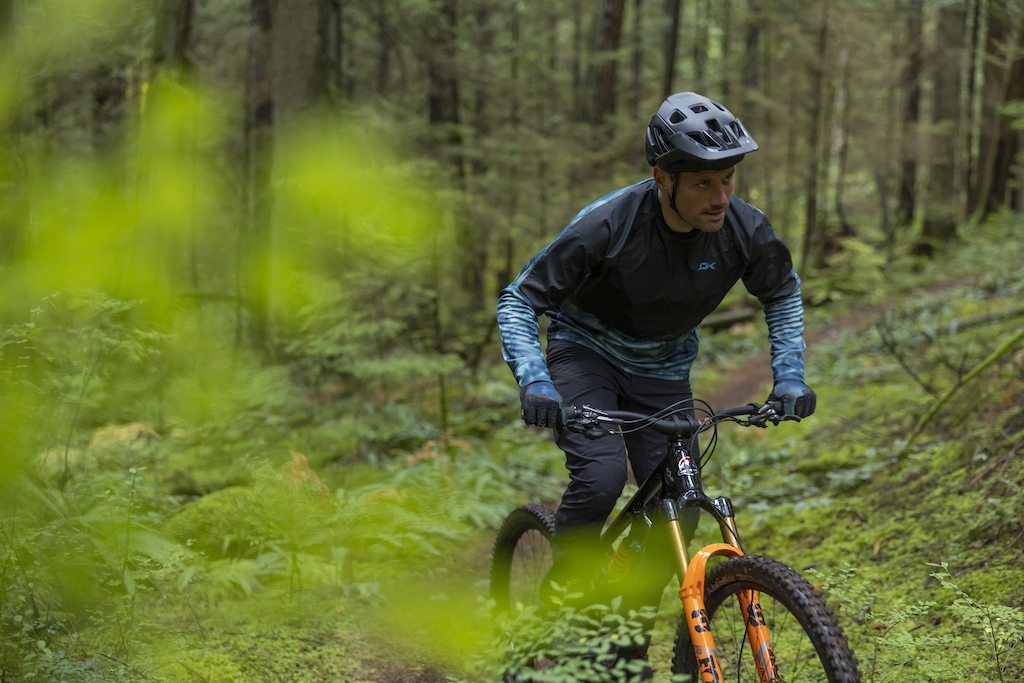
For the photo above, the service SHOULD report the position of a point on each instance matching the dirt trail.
(752, 379)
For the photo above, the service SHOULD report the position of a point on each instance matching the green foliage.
(175, 505)
(965, 640)
(855, 271)
(568, 644)
(387, 347)
(224, 523)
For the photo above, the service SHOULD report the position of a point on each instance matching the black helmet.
(693, 133)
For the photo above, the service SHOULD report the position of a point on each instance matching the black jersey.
(620, 281)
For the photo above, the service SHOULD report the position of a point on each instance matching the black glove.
(798, 401)
(542, 404)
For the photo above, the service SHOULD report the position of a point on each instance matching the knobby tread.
(785, 585)
(519, 521)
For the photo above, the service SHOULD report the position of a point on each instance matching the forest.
(254, 420)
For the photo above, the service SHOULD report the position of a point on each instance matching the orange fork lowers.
(692, 595)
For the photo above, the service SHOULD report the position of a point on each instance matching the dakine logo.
(707, 266)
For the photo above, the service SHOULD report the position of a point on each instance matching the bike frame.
(676, 485)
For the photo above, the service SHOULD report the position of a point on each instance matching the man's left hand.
(798, 400)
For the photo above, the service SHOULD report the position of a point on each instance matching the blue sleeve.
(546, 281)
(520, 337)
(785, 318)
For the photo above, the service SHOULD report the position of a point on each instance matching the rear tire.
(809, 644)
(522, 557)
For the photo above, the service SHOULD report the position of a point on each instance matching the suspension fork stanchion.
(675, 534)
(727, 522)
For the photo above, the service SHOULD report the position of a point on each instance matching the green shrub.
(225, 523)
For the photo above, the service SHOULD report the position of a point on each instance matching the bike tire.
(808, 642)
(522, 557)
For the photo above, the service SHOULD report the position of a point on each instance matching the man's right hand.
(542, 404)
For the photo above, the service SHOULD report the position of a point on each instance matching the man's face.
(702, 199)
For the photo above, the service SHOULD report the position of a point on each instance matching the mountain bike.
(747, 618)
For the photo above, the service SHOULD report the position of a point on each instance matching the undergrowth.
(567, 645)
(162, 524)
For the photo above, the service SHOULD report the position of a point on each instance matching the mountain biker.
(624, 287)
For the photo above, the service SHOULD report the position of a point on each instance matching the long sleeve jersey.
(619, 281)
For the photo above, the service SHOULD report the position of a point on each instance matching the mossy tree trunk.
(255, 237)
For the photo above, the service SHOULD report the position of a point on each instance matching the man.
(624, 287)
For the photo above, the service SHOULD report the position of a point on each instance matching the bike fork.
(692, 595)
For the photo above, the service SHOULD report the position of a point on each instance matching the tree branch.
(1008, 344)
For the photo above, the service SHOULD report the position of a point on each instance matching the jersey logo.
(707, 266)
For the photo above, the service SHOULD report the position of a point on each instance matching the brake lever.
(586, 421)
(596, 431)
(765, 414)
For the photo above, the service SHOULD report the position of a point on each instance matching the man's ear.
(663, 179)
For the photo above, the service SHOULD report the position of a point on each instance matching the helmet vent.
(714, 125)
(703, 139)
(677, 116)
(657, 140)
(698, 108)
(736, 130)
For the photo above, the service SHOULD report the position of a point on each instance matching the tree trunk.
(638, 59)
(751, 72)
(811, 228)
(701, 34)
(944, 192)
(483, 40)
(254, 252)
(887, 176)
(475, 235)
(607, 40)
(992, 57)
(515, 65)
(970, 104)
(346, 83)
(725, 68)
(385, 45)
(6, 17)
(11, 226)
(577, 59)
(673, 9)
(174, 23)
(299, 79)
(841, 146)
(791, 178)
(173, 35)
(755, 116)
(329, 34)
(911, 113)
(443, 84)
(1006, 142)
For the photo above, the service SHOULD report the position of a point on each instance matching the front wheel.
(808, 643)
(522, 557)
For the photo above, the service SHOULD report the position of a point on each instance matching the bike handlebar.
(594, 423)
